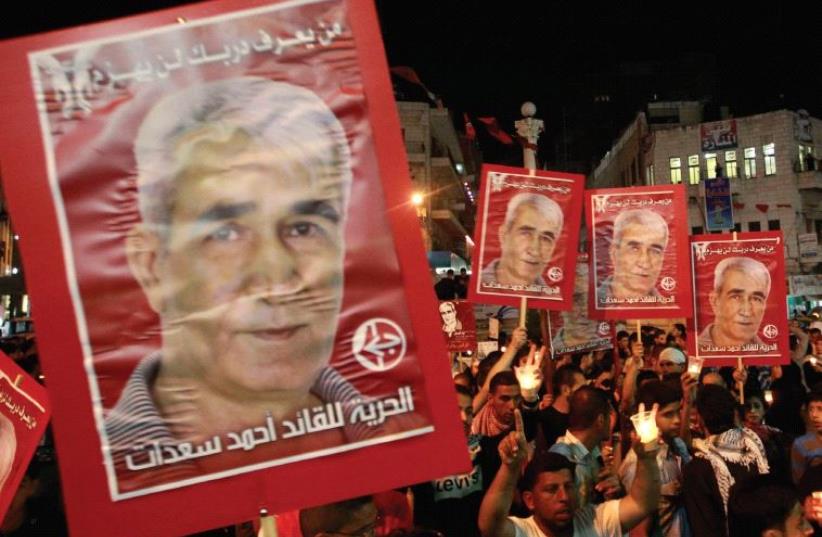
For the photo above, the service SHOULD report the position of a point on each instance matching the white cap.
(673, 354)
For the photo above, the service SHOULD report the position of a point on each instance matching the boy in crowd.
(807, 449)
(670, 520)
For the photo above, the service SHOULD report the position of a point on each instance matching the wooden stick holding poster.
(740, 384)
(523, 311)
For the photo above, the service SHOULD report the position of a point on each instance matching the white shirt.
(600, 520)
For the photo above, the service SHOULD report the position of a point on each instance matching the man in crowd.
(807, 449)
(504, 397)
(357, 516)
(527, 237)
(462, 283)
(550, 494)
(589, 424)
(553, 420)
(728, 455)
(670, 520)
(446, 288)
(637, 254)
(740, 293)
(766, 506)
(451, 504)
(623, 344)
(672, 360)
(243, 186)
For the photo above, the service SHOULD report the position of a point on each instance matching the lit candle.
(695, 366)
(528, 382)
(768, 396)
(645, 425)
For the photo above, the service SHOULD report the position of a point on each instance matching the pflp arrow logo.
(379, 344)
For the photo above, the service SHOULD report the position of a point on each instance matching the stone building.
(772, 160)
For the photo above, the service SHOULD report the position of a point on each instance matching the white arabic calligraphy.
(75, 82)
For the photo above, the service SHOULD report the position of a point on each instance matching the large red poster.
(526, 236)
(639, 252)
(211, 188)
(24, 415)
(740, 298)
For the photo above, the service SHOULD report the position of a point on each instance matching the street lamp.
(529, 129)
(417, 199)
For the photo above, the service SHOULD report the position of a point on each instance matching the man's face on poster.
(738, 307)
(527, 245)
(637, 258)
(578, 327)
(249, 273)
(448, 313)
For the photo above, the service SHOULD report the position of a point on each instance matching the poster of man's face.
(458, 325)
(24, 416)
(573, 331)
(740, 298)
(526, 237)
(234, 311)
(637, 241)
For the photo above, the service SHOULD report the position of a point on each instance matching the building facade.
(443, 169)
(771, 159)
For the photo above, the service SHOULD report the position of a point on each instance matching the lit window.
(710, 165)
(676, 170)
(693, 169)
(730, 164)
(769, 151)
(750, 162)
(806, 159)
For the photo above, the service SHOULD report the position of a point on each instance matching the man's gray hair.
(543, 204)
(746, 265)
(286, 120)
(448, 303)
(642, 217)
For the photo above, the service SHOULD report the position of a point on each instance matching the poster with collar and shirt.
(232, 281)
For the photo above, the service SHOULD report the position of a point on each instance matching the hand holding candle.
(695, 366)
(645, 425)
(529, 374)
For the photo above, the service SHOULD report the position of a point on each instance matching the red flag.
(470, 131)
(408, 73)
(496, 131)
(763, 207)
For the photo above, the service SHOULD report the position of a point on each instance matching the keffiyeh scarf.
(738, 446)
(486, 423)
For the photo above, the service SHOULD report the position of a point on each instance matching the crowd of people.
(555, 453)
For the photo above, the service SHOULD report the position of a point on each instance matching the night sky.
(486, 58)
